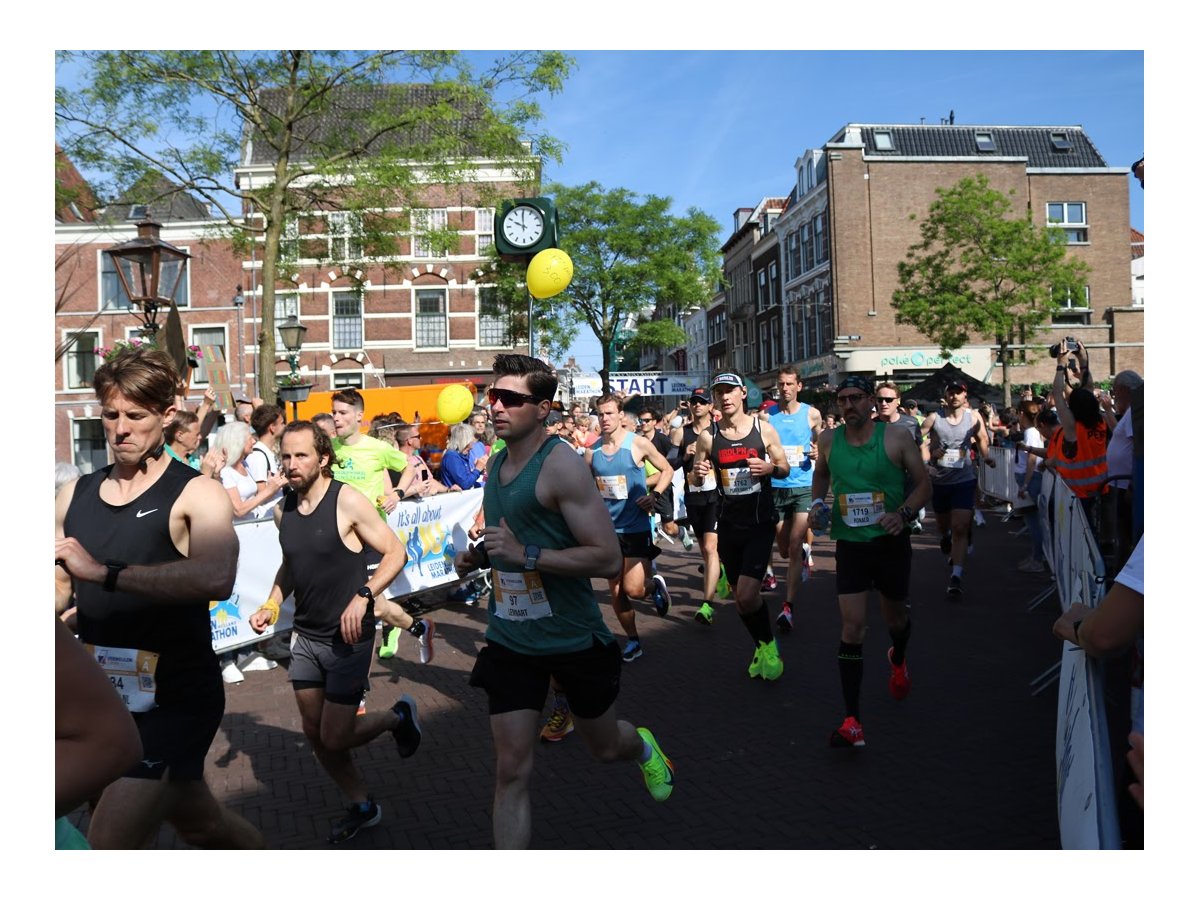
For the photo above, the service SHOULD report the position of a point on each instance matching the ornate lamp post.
(292, 333)
(150, 271)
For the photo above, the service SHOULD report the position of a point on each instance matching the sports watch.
(365, 591)
(110, 579)
(532, 552)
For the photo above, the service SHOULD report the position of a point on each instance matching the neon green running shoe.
(756, 664)
(658, 771)
(390, 645)
(704, 614)
(771, 666)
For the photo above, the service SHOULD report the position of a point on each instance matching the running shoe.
(954, 590)
(407, 732)
(560, 724)
(686, 539)
(661, 596)
(704, 614)
(769, 583)
(947, 542)
(632, 651)
(849, 735)
(425, 643)
(231, 674)
(979, 519)
(390, 645)
(784, 619)
(362, 707)
(358, 816)
(756, 664)
(806, 569)
(771, 666)
(899, 683)
(658, 771)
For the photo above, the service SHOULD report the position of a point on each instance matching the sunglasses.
(645, 421)
(696, 400)
(849, 401)
(510, 399)
(886, 399)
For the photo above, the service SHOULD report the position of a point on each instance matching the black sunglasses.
(644, 421)
(886, 399)
(510, 399)
(854, 398)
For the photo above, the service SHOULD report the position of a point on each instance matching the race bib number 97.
(521, 596)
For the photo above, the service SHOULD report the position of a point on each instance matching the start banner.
(431, 529)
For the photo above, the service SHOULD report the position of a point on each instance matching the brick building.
(846, 224)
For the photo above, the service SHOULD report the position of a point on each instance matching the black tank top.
(324, 570)
(746, 499)
(139, 534)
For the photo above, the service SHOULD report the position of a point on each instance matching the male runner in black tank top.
(701, 502)
(745, 455)
(323, 528)
(165, 535)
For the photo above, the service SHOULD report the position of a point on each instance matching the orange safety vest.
(1087, 473)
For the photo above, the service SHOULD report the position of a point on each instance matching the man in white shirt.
(267, 423)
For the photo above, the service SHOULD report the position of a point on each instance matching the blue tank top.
(621, 481)
(796, 436)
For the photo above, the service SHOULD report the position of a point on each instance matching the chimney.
(951, 117)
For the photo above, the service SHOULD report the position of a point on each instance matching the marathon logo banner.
(431, 529)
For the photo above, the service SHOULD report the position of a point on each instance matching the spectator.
(268, 423)
(64, 472)
(423, 484)
(385, 428)
(324, 421)
(236, 440)
(182, 435)
(456, 467)
(477, 454)
(242, 411)
(1079, 448)
(1118, 413)
(1027, 468)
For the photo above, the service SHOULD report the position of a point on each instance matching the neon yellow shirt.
(362, 466)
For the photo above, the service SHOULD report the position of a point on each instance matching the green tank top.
(536, 613)
(865, 484)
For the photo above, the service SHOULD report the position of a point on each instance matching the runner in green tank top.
(866, 462)
(546, 535)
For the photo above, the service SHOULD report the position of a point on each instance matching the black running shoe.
(954, 590)
(947, 542)
(357, 817)
(408, 732)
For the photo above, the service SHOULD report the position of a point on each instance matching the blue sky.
(719, 130)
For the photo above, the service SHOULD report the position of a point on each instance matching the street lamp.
(150, 271)
(291, 332)
(239, 303)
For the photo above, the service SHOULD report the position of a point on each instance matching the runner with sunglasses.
(546, 536)
(701, 500)
(866, 462)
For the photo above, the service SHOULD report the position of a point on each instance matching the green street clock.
(526, 226)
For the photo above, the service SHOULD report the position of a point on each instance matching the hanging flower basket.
(294, 393)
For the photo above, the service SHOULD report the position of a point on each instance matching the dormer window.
(883, 140)
(1060, 140)
(137, 212)
(983, 140)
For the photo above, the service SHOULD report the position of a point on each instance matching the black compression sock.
(850, 667)
(900, 642)
(758, 623)
(418, 628)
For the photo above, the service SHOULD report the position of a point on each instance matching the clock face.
(523, 226)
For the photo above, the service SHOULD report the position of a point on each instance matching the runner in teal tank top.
(546, 535)
(864, 462)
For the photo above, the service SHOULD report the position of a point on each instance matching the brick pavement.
(966, 761)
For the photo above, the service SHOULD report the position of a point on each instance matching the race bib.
(796, 454)
(131, 673)
(860, 510)
(521, 596)
(612, 487)
(954, 459)
(739, 482)
(709, 484)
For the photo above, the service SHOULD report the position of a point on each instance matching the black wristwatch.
(907, 514)
(532, 552)
(365, 591)
(114, 569)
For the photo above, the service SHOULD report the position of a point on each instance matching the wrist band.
(274, 609)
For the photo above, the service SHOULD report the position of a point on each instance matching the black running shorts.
(746, 551)
(176, 736)
(590, 678)
(702, 514)
(883, 563)
(637, 545)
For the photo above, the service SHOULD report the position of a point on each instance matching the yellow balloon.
(454, 404)
(549, 273)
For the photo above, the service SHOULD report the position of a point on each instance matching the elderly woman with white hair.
(456, 467)
(248, 496)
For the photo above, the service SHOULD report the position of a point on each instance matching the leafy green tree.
(981, 269)
(355, 131)
(629, 255)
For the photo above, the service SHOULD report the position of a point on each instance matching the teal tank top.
(558, 613)
(865, 484)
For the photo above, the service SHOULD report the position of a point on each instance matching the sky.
(720, 130)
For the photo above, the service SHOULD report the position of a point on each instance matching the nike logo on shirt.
(140, 513)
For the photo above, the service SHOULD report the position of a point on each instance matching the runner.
(323, 529)
(546, 536)
(952, 430)
(617, 464)
(867, 462)
(165, 535)
(701, 501)
(798, 426)
(748, 454)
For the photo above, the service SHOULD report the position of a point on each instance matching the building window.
(343, 380)
(1074, 309)
(431, 319)
(137, 212)
(495, 320)
(347, 320)
(425, 221)
(983, 140)
(807, 257)
(345, 236)
(776, 342)
(793, 255)
(764, 348)
(1060, 140)
(484, 222)
(285, 305)
(112, 291)
(883, 140)
(762, 290)
(772, 277)
(89, 448)
(81, 360)
(1071, 218)
(820, 245)
(208, 337)
(289, 240)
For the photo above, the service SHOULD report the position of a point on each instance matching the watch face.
(523, 226)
